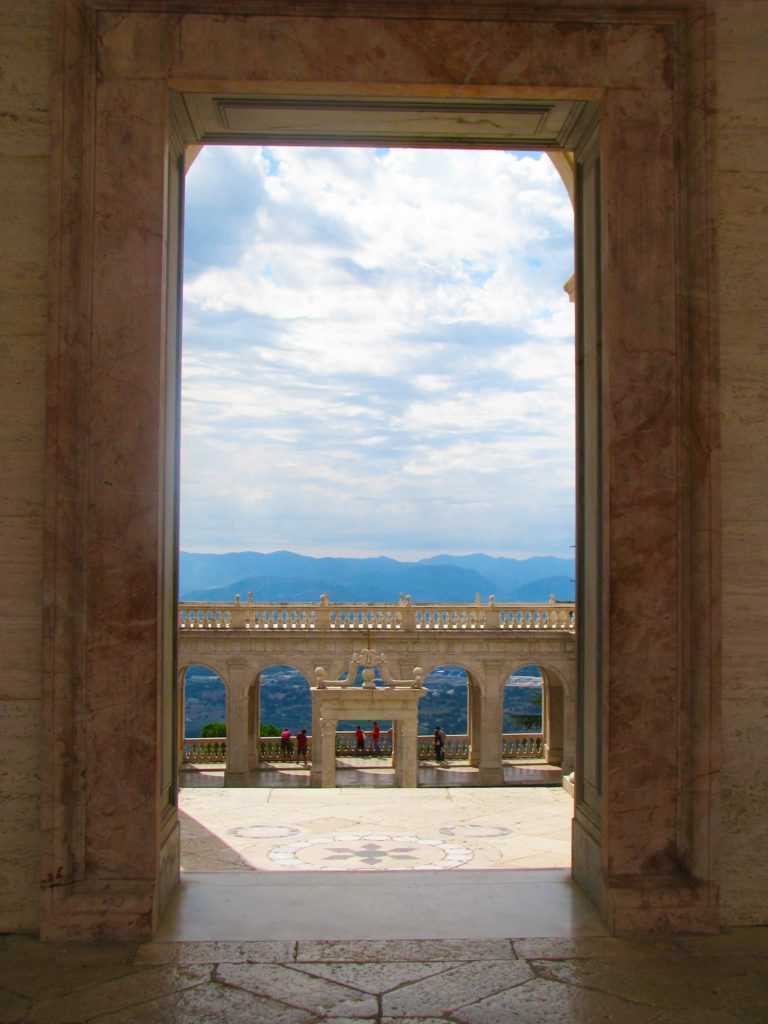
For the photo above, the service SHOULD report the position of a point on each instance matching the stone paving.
(684, 980)
(277, 829)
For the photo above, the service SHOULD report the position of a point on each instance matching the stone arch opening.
(202, 699)
(283, 698)
(646, 429)
(447, 704)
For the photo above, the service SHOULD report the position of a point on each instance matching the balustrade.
(404, 616)
(201, 750)
(515, 746)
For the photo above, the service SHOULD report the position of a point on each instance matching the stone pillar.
(254, 726)
(569, 727)
(316, 768)
(328, 741)
(491, 718)
(236, 773)
(180, 734)
(552, 708)
(474, 718)
(408, 770)
(397, 750)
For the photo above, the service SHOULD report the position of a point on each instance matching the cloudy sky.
(377, 353)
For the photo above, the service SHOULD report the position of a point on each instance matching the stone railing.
(516, 746)
(404, 616)
(200, 750)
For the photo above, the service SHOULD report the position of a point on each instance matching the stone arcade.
(663, 107)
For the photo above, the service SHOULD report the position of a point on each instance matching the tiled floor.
(398, 864)
(363, 829)
(266, 931)
(709, 980)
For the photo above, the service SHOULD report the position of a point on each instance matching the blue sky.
(377, 353)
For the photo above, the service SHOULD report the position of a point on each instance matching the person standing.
(375, 735)
(439, 744)
(285, 743)
(302, 743)
(359, 741)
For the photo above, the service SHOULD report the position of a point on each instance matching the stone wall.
(741, 177)
(25, 59)
(739, 42)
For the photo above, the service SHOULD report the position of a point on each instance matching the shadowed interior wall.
(730, 71)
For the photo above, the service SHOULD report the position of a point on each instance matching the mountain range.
(287, 576)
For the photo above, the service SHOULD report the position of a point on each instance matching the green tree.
(214, 729)
(265, 729)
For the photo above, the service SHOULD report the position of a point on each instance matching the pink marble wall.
(104, 428)
(640, 862)
(25, 55)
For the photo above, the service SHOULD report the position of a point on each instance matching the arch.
(455, 718)
(190, 752)
(271, 677)
(558, 713)
(114, 489)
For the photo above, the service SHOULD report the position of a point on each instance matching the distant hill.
(286, 576)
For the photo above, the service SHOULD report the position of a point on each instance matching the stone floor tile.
(374, 978)
(215, 952)
(416, 1020)
(298, 988)
(89, 1001)
(13, 1008)
(33, 969)
(749, 941)
(460, 984)
(386, 950)
(346, 1020)
(591, 947)
(731, 982)
(208, 1004)
(704, 1017)
(546, 1002)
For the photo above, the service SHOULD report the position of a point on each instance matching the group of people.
(375, 735)
(302, 743)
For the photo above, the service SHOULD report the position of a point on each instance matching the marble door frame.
(645, 830)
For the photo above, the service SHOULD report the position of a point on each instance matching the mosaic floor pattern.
(373, 830)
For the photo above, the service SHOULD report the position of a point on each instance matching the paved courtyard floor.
(355, 905)
(599, 980)
(375, 829)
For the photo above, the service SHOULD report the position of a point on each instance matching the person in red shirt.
(286, 747)
(302, 743)
(359, 740)
(375, 734)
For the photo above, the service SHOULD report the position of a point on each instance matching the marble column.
(254, 725)
(236, 773)
(474, 717)
(399, 751)
(552, 721)
(491, 718)
(316, 767)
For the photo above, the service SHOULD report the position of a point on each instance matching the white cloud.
(379, 329)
